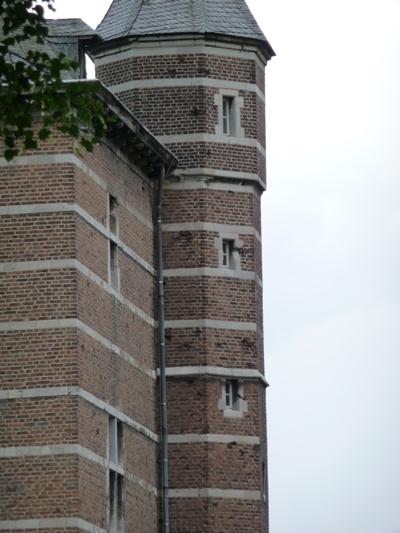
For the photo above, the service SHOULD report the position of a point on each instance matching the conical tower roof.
(133, 18)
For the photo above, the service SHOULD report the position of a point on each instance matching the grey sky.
(331, 258)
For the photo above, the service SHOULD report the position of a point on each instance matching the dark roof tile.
(127, 18)
(69, 28)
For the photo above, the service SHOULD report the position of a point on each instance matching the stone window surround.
(237, 245)
(241, 404)
(237, 105)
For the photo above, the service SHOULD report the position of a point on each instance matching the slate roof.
(64, 35)
(69, 28)
(129, 18)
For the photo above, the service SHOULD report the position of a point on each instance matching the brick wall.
(196, 220)
(73, 349)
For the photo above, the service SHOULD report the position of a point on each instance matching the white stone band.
(74, 323)
(54, 264)
(244, 275)
(72, 159)
(56, 392)
(176, 47)
(210, 138)
(215, 179)
(35, 209)
(213, 324)
(50, 523)
(213, 227)
(229, 494)
(213, 438)
(162, 83)
(215, 371)
(70, 449)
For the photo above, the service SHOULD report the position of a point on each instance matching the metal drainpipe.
(161, 354)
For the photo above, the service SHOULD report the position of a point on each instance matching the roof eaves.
(133, 138)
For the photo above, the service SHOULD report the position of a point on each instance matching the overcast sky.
(331, 259)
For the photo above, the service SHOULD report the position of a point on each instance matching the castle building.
(132, 390)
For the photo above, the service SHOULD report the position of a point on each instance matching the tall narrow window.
(112, 214)
(231, 394)
(115, 475)
(227, 115)
(227, 253)
(115, 502)
(114, 440)
(113, 264)
(113, 247)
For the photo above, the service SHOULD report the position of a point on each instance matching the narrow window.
(113, 247)
(227, 107)
(231, 394)
(115, 502)
(228, 394)
(115, 475)
(113, 264)
(227, 253)
(114, 440)
(112, 214)
(232, 402)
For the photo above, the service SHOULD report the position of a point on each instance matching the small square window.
(227, 253)
(227, 115)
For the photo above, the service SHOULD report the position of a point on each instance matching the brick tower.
(193, 73)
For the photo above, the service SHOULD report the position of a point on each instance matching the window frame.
(228, 246)
(227, 115)
(113, 228)
(232, 402)
(235, 246)
(112, 214)
(115, 473)
(229, 106)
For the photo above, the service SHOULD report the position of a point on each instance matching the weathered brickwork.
(39, 358)
(181, 66)
(190, 249)
(221, 207)
(216, 299)
(236, 466)
(217, 516)
(78, 314)
(229, 297)
(45, 295)
(192, 109)
(57, 143)
(39, 421)
(44, 530)
(46, 184)
(114, 378)
(37, 237)
(219, 156)
(39, 487)
(218, 347)
(67, 278)
(202, 414)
